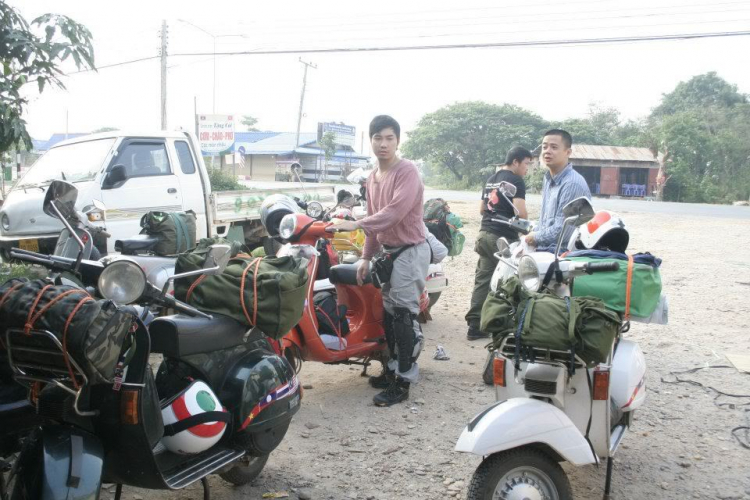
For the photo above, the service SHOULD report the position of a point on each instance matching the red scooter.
(358, 335)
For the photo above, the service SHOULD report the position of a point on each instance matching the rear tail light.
(601, 385)
(498, 371)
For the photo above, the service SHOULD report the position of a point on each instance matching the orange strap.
(11, 290)
(29, 324)
(257, 262)
(192, 287)
(72, 314)
(629, 287)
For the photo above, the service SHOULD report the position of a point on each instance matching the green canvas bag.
(543, 320)
(268, 293)
(612, 287)
(176, 230)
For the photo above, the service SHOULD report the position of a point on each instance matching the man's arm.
(520, 204)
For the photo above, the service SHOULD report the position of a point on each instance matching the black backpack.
(436, 211)
(331, 316)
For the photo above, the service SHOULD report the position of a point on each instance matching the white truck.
(132, 174)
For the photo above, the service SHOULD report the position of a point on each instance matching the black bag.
(92, 332)
(176, 230)
(435, 216)
(331, 316)
(382, 266)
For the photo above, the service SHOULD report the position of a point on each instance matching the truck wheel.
(433, 299)
(519, 473)
(246, 470)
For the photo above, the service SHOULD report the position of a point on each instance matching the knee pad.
(390, 337)
(403, 327)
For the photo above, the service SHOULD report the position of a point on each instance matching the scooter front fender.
(519, 422)
(61, 463)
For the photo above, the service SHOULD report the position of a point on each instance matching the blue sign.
(241, 150)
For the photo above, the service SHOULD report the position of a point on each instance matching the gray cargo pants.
(408, 279)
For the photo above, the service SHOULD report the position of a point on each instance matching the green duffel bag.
(543, 320)
(268, 293)
(176, 230)
(612, 287)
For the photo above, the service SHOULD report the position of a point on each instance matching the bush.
(9, 271)
(223, 181)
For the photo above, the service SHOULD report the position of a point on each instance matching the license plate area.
(29, 245)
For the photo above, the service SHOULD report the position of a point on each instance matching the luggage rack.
(39, 357)
(541, 355)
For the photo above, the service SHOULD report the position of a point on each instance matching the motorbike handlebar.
(178, 306)
(602, 267)
(49, 261)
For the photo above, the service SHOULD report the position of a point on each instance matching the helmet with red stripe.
(606, 231)
(187, 406)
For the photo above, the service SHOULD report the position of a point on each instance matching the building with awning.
(616, 170)
(268, 156)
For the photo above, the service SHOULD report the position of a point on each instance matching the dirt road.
(340, 446)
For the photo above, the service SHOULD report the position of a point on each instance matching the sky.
(556, 82)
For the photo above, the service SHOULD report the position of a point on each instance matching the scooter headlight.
(288, 226)
(122, 281)
(528, 273)
(314, 209)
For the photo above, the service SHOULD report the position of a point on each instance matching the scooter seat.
(139, 243)
(181, 335)
(345, 274)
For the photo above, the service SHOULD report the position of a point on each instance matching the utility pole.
(195, 115)
(164, 75)
(302, 98)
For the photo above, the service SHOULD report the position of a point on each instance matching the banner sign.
(215, 133)
(345, 134)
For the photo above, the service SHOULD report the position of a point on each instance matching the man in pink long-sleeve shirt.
(394, 223)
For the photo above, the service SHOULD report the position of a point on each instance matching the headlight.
(288, 226)
(122, 281)
(528, 273)
(6, 222)
(314, 209)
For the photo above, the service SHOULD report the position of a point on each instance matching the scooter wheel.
(246, 470)
(519, 473)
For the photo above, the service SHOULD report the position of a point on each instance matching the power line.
(123, 63)
(511, 44)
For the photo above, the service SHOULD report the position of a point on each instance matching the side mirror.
(217, 259)
(503, 247)
(115, 177)
(60, 200)
(507, 188)
(580, 211)
(314, 209)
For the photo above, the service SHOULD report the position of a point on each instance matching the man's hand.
(342, 225)
(362, 271)
(530, 240)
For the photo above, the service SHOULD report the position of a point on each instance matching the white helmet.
(194, 400)
(606, 231)
(273, 209)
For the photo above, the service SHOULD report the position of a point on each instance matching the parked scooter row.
(221, 402)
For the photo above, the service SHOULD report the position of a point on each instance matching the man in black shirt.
(493, 204)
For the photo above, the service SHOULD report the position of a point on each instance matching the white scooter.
(547, 413)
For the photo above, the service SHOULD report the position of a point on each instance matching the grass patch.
(10, 271)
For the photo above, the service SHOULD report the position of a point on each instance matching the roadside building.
(616, 170)
(269, 156)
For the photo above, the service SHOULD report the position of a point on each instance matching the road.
(621, 205)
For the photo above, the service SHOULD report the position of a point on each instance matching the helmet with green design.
(194, 419)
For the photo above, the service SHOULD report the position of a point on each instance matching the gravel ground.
(340, 446)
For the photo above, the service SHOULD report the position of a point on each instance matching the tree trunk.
(662, 177)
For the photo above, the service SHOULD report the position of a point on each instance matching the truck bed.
(234, 206)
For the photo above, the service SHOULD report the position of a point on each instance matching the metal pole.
(302, 98)
(214, 106)
(195, 115)
(164, 75)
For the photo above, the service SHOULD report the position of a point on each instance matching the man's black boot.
(383, 380)
(397, 392)
(476, 334)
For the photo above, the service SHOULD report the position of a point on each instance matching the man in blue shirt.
(562, 184)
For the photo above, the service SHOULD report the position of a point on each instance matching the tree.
(328, 143)
(30, 57)
(598, 128)
(463, 142)
(249, 123)
(701, 128)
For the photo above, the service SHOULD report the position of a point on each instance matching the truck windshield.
(76, 162)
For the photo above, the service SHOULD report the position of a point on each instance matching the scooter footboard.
(519, 422)
(60, 463)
